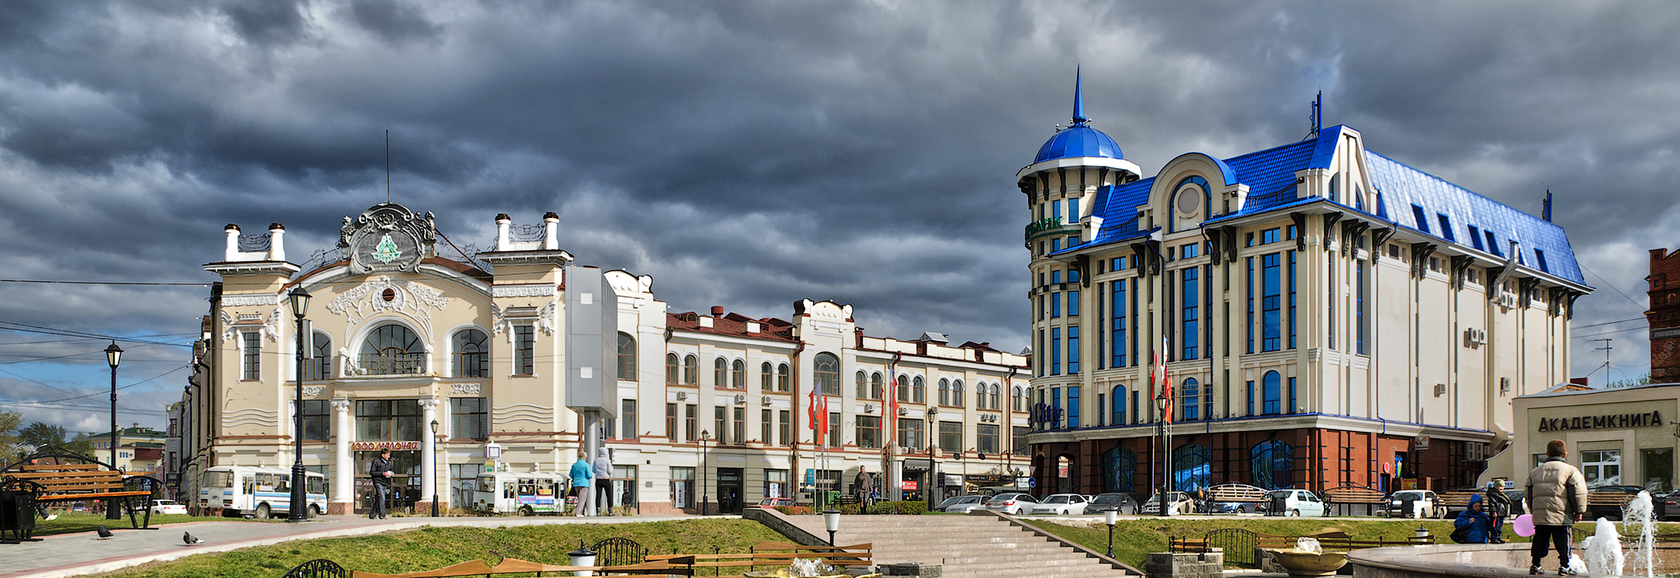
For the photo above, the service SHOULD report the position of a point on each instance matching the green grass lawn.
(1135, 537)
(434, 547)
(73, 522)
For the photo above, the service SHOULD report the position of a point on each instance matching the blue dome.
(1078, 140)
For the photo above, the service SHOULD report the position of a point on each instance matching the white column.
(344, 467)
(428, 450)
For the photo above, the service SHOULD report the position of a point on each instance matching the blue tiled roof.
(1401, 187)
(1078, 141)
(1270, 176)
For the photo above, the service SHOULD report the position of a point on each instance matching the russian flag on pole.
(1165, 380)
(811, 411)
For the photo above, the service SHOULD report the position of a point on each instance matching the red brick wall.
(1664, 295)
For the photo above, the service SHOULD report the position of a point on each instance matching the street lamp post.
(1108, 517)
(831, 521)
(1166, 452)
(705, 499)
(113, 355)
(298, 511)
(434, 474)
(933, 470)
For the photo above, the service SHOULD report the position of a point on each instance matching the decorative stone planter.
(1303, 564)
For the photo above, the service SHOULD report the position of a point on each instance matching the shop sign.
(1613, 421)
(909, 485)
(989, 479)
(376, 446)
(1421, 443)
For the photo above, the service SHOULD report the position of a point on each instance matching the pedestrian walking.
(863, 486)
(380, 471)
(1557, 497)
(603, 481)
(582, 472)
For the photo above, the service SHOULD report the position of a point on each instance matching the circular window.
(388, 294)
(1189, 199)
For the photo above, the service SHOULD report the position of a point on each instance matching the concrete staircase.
(970, 546)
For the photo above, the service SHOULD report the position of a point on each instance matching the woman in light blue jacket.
(582, 473)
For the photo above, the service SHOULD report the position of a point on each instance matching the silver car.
(1060, 504)
(962, 504)
(1011, 503)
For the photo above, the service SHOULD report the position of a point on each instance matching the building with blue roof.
(1311, 315)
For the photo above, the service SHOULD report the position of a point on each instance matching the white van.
(1293, 503)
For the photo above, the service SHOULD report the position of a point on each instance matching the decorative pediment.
(382, 293)
(387, 237)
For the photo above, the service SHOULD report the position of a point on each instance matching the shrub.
(794, 510)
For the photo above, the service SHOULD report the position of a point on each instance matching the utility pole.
(1606, 349)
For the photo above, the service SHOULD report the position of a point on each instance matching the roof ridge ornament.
(1079, 118)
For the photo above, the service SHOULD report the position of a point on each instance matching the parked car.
(771, 503)
(1519, 502)
(1060, 504)
(1400, 504)
(168, 507)
(962, 504)
(1293, 503)
(1011, 503)
(1611, 512)
(1118, 502)
(1233, 507)
(1177, 502)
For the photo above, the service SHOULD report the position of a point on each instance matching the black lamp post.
(298, 511)
(1166, 452)
(705, 500)
(831, 520)
(933, 469)
(434, 469)
(1108, 517)
(113, 355)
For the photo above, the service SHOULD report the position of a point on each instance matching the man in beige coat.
(1557, 497)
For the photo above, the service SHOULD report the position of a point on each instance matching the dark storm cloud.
(750, 154)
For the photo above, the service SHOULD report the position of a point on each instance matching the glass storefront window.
(1658, 464)
(1601, 467)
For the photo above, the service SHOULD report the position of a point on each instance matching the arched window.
(944, 391)
(764, 376)
(782, 377)
(720, 372)
(738, 374)
(1271, 393)
(1019, 398)
(918, 390)
(862, 385)
(1272, 463)
(875, 385)
(826, 369)
(1119, 468)
(392, 350)
(673, 368)
(1190, 393)
(691, 369)
(958, 397)
(904, 388)
(471, 349)
(320, 361)
(1117, 405)
(997, 395)
(1190, 468)
(626, 356)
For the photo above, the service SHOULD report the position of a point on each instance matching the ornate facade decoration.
(312, 390)
(249, 300)
(538, 290)
(372, 297)
(387, 237)
(466, 389)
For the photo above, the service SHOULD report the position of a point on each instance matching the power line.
(1590, 336)
(111, 283)
(27, 328)
(1612, 287)
(1607, 323)
(153, 378)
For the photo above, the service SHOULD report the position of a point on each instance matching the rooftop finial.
(1079, 118)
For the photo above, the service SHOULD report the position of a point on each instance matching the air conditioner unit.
(766, 400)
(1481, 336)
(740, 399)
(1440, 389)
(1504, 384)
(869, 408)
(1508, 300)
(903, 411)
(682, 395)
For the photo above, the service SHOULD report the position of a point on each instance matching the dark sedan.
(1118, 502)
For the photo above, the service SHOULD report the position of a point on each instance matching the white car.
(168, 507)
(1294, 503)
(1011, 503)
(963, 504)
(1060, 504)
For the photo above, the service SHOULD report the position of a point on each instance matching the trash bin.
(17, 513)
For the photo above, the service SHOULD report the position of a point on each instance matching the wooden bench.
(1456, 500)
(322, 568)
(1350, 495)
(774, 555)
(1235, 493)
(54, 476)
(1607, 504)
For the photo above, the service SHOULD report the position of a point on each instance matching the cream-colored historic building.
(710, 408)
(1622, 436)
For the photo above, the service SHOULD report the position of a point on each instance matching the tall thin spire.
(1079, 98)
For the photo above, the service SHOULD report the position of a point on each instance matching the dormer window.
(1417, 217)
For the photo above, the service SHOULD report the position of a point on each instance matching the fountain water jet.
(1639, 513)
(1603, 551)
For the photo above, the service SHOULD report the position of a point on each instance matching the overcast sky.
(750, 154)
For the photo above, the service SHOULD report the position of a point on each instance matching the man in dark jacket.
(380, 471)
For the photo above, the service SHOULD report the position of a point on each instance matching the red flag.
(892, 402)
(822, 418)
